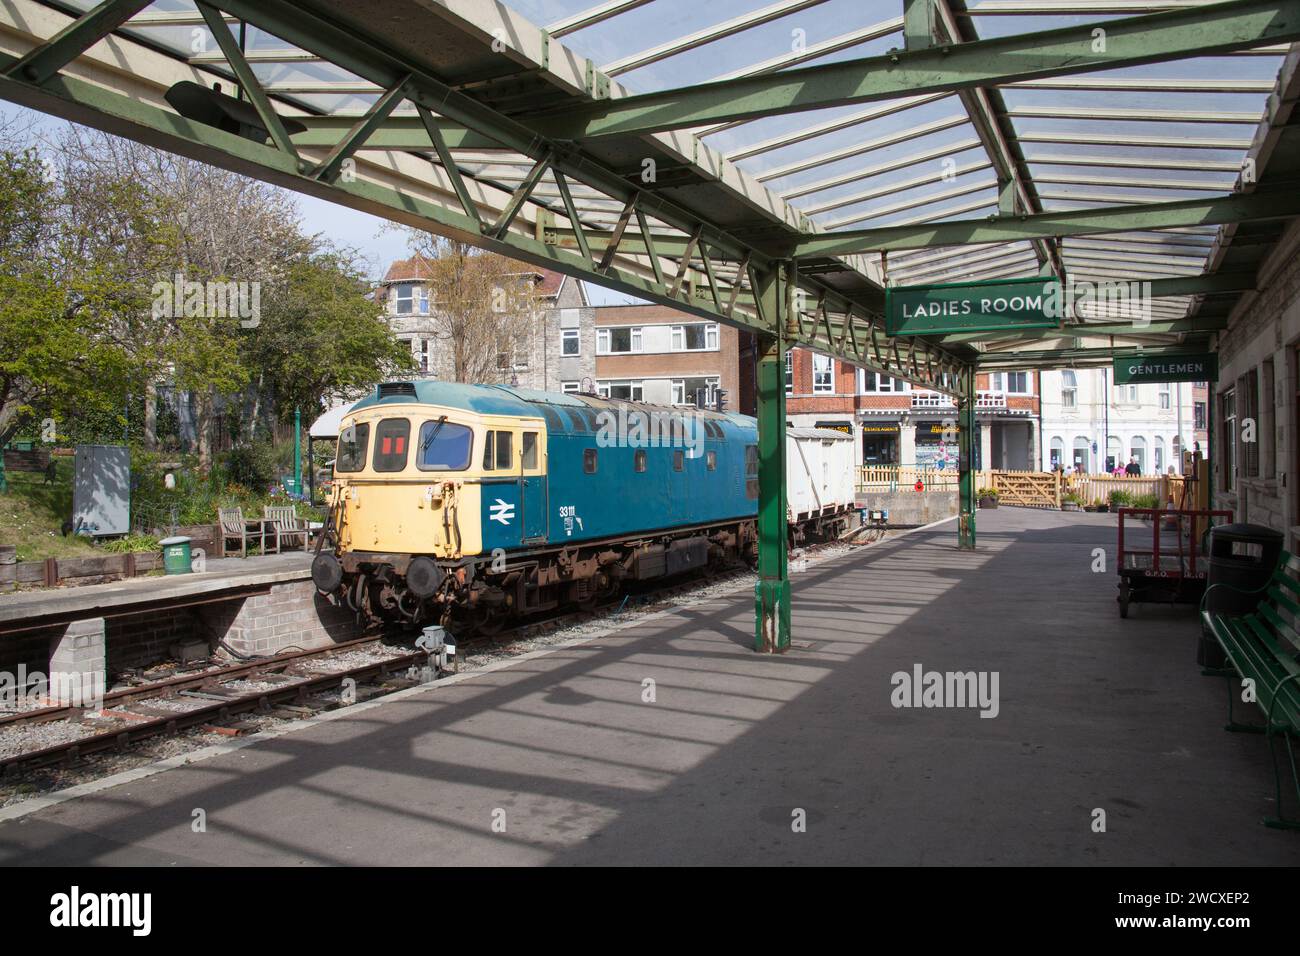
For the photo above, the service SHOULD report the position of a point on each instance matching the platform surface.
(220, 574)
(1094, 713)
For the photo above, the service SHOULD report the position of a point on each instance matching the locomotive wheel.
(480, 622)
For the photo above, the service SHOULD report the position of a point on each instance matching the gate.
(1027, 489)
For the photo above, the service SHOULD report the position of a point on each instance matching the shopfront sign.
(1139, 369)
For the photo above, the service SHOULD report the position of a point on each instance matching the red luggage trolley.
(1163, 565)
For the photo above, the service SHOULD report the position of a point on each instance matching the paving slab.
(671, 742)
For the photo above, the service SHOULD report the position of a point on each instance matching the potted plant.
(1071, 502)
(1120, 499)
(988, 498)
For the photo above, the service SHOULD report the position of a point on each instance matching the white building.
(1089, 421)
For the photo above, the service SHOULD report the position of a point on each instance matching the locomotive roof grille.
(391, 389)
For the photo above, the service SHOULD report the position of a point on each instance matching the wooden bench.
(281, 521)
(235, 527)
(1263, 649)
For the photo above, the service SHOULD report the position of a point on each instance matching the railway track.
(217, 695)
(165, 707)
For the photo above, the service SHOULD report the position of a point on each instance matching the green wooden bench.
(1263, 649)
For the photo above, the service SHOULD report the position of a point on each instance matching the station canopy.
(680, 150)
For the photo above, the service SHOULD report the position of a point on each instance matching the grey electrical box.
(101, 490)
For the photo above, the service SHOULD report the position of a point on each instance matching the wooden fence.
(1042, 489)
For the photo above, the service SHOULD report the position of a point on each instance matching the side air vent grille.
(391, 389)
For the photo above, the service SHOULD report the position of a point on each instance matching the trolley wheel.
(1125, 595)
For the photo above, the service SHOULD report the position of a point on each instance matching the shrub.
(1145, 501)
(1120, 498)
(253, 465)
(986, 493)
(132, 544)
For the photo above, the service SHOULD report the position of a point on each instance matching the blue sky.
(378, 241)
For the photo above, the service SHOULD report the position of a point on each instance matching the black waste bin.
(1241, 556)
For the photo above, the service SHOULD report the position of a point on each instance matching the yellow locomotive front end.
(407, 507)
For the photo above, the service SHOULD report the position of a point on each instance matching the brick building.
(655, 354)
(559, 346)
(893, 423)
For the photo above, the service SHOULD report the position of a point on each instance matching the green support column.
(966, 462)
(772, 591)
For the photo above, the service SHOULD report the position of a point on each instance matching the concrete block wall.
(77, 668)
(292, 615)
(908, 508)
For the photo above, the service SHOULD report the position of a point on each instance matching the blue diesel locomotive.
(473, 504)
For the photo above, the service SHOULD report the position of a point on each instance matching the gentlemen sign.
(1167, 368)
(973, 306)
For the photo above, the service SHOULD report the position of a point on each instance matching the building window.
(570, 342)
(1138, 452)
(1012, 383)
(424, 300)
(1126, 394)
(1198, 415)
(403, 296)
(1165, 400)
(570, 387)
(618, 341)
(751, 472)
(874, 382)
(695, 338)
(823, 375)
(1158, 455)
(628, 391)
(424, 357)
(789, 373)
(1250, 412)
(686, 390)
(1069, 391)
(1228, 436)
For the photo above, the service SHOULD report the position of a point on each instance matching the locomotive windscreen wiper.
(424, 445)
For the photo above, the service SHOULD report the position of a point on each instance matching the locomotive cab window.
(392, 436)
(443, 446)
(530, 449)
(497, 449)
(352, 448)
(639, 461)
(589, 460)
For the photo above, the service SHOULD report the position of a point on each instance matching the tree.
(59, 353)
(483, 304)
(322, 335)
